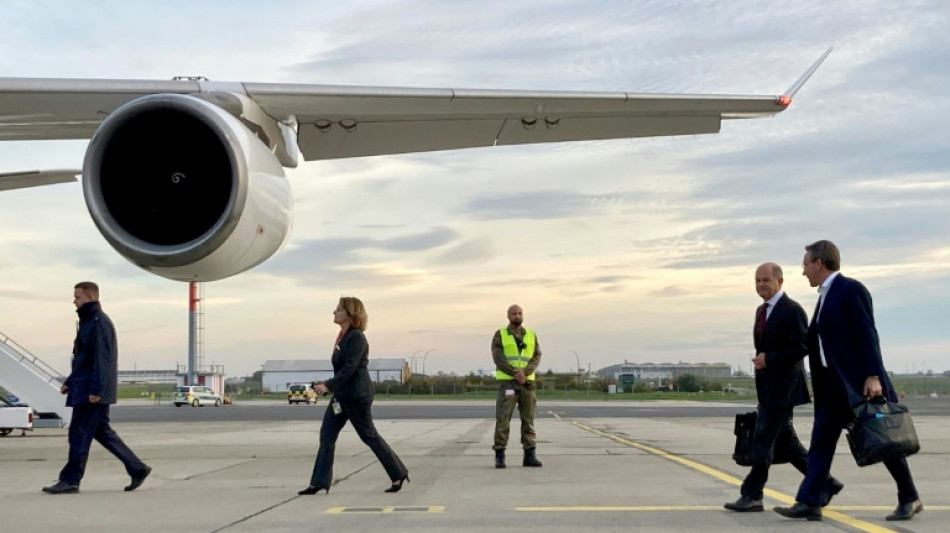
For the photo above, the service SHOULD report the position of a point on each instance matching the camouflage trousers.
(505, 406)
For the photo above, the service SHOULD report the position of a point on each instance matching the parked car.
(196, 395)
(15, 401)
(301, 394)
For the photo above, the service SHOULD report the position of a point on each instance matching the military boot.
(499, 458)
(529, 458)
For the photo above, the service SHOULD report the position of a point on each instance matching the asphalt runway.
(399, 409)
(649, 467)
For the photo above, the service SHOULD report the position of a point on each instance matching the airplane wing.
(45, 109)
(36, 178)
(335, 121)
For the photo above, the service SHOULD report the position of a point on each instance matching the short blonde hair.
(355, 309)
(89, 288)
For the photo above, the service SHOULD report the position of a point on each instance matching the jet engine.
(185, 190)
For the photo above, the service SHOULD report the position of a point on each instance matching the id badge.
(336, 407)
(509, 393)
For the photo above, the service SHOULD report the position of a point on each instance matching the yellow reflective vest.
(517, 359)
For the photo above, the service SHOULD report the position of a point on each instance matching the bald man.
(516, 353)
(778, 335)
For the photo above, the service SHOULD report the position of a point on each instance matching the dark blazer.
(95, 362)
(782, 382)
(350, 359)
(849, 337)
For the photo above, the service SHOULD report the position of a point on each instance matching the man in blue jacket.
(844, 354)
(90, 389)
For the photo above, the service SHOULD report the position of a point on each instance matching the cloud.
(648, 233)
(536, 205)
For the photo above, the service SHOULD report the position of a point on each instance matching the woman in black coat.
(352, 400)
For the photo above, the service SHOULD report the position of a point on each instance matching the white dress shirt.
(772, 301)
(822, 291)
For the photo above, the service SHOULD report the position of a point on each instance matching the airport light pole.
(424, 361)
(579, 369)
(412, 363)
(431, 386)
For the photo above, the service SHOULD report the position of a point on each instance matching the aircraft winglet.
(787, 96)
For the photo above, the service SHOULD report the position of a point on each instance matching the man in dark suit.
(779, 338)
(90, 389)
(845, 358)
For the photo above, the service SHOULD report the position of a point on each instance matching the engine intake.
(183, 189)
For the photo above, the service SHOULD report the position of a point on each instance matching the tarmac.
(600, 474)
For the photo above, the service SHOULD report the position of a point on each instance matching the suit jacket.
(95, 361)
(350, 359)
(782, 382)
(849, 337)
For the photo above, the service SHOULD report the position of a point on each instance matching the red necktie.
(760, 319)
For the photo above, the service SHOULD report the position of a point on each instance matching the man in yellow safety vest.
(517, 354)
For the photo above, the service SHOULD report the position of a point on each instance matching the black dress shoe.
(138, 479)
(831, 489)
(61, 487)
(745, 504)
(800, 510)
(312, 490)
(906, 511)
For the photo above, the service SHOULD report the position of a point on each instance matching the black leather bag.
(745, 437)
(744, 431)
(881, 430)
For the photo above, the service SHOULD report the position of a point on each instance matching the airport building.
(148, 376)
(279, 374)
(664, 372)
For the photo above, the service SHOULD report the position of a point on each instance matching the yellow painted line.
(883, 507)
(622, 508)
(827, 513)
(422, 509)
(665, 508)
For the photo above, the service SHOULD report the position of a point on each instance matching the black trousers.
(832, 414)
(91, 421)
(774, 432)
(359, 413)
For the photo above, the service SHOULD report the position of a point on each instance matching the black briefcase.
(745, 436)
(881, 430)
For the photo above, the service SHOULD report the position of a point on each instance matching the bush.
(641, 386)
(689, 383)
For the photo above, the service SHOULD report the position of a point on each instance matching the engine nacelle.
(183, 189)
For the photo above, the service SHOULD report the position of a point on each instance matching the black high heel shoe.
(312, 490)
(397, 485)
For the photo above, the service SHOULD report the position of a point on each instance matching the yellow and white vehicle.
(195, 396)
(301, 394)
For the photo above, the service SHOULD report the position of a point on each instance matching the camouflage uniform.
(523, 393)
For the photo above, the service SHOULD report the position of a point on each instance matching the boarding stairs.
(36, 383)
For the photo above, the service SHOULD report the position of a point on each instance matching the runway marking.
(431, 509)
(626, 508)
(827, 513)
(663, 508)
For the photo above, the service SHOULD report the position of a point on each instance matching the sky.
(641, 250)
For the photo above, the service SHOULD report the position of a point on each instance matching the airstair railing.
(50, 374)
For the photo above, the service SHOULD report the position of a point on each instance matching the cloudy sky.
(640, 250)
